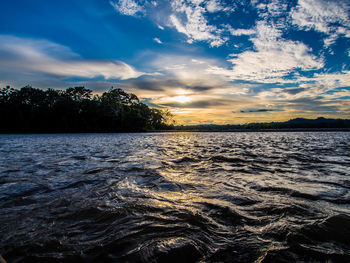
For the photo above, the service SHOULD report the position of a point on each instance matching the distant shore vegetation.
(32, 110)
(319, 123)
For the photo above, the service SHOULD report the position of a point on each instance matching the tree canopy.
(76, 110)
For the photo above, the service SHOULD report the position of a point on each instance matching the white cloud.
(88, 69)
(190, 20)
(127, 7)
(273, 8)
(218, 42)
(240, 31)
(160, 27)
(343, 31)
(157, 40)
(333, 80)
(274, 58)
(321, 15)
(213, 6)
(330, 17)
(29, 56)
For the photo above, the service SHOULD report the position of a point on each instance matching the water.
(175, 197)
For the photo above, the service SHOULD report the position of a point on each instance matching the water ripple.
(175, 197)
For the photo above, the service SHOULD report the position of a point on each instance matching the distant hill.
(298, 123)
(320, 122)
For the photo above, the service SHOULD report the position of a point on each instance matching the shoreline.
(271, 130)
(197, 130)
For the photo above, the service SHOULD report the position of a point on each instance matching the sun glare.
(181, 99)
(182, 92)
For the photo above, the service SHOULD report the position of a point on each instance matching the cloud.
(157, 40)
(127, 7)
(148, 102)
(272, 9)
(328, 17)
(309, 98)
(200, 88)
(324, 82)
(258, 110)
(152, 84)
(189, 19)
(240, 31)
(189, 70)
(294, 91)
(274, 57)
(210, 103)
(213, 6)
(166, 85)
(333, 80)
(306, 90)
(312, 105)
(30, 56)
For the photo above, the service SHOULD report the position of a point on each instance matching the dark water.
(175, 197)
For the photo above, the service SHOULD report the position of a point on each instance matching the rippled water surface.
(175, 197)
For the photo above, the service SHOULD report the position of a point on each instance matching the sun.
(181, 99)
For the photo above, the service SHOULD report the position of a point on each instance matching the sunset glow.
(181, 99)
(237, 61)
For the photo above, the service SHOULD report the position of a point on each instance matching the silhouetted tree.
(76, 110)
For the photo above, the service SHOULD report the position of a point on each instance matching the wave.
(190, 197)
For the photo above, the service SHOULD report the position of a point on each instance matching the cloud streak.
(258, 110)
(156, 39)
(28, 56)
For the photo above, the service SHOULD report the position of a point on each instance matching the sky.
(206, 61)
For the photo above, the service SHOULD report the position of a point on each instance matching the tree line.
(293, 124)
(32, 110)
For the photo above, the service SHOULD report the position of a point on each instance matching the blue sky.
(207, 61)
